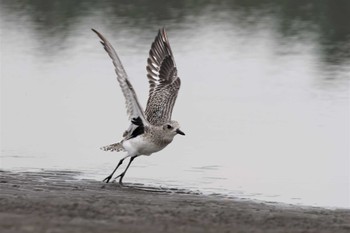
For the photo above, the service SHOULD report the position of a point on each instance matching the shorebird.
(151, 130)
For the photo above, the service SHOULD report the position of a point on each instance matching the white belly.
(140, 146)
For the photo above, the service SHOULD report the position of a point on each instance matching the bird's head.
(172, 128)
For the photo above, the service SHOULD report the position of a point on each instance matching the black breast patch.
(140, 128)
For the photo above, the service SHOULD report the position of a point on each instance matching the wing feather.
(133, 106)
(163, 81)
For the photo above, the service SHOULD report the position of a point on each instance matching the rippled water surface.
(264, 99)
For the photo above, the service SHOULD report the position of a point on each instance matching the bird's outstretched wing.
(163, 80)
(133, 106)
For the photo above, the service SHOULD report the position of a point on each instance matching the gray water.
(264, 100)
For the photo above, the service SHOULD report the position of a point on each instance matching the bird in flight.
(151, 130)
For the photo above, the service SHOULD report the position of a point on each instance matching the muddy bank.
(54, 201)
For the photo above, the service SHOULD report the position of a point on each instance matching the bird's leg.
(123, 173)
(111, 175)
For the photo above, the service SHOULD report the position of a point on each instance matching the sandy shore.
(54, 201)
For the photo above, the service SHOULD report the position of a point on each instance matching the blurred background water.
(264, 99)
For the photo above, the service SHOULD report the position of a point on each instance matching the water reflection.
(53, 20)
(266, 81)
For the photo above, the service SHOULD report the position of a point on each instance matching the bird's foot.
(121, 183)
(107, 179)
(121, 179)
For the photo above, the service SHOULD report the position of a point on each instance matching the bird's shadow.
(147, 188)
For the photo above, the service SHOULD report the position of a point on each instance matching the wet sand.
(54, 201)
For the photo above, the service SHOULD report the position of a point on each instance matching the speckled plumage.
(163, 80)
(152, 130)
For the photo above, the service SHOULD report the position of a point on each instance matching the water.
(264, 100)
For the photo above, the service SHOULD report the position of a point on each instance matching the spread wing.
(133, 107)
(163, 80)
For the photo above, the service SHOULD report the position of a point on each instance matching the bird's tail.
(113, 147)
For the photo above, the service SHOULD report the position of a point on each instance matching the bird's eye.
(169, 126)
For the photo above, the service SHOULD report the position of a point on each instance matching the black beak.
(180, 132)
